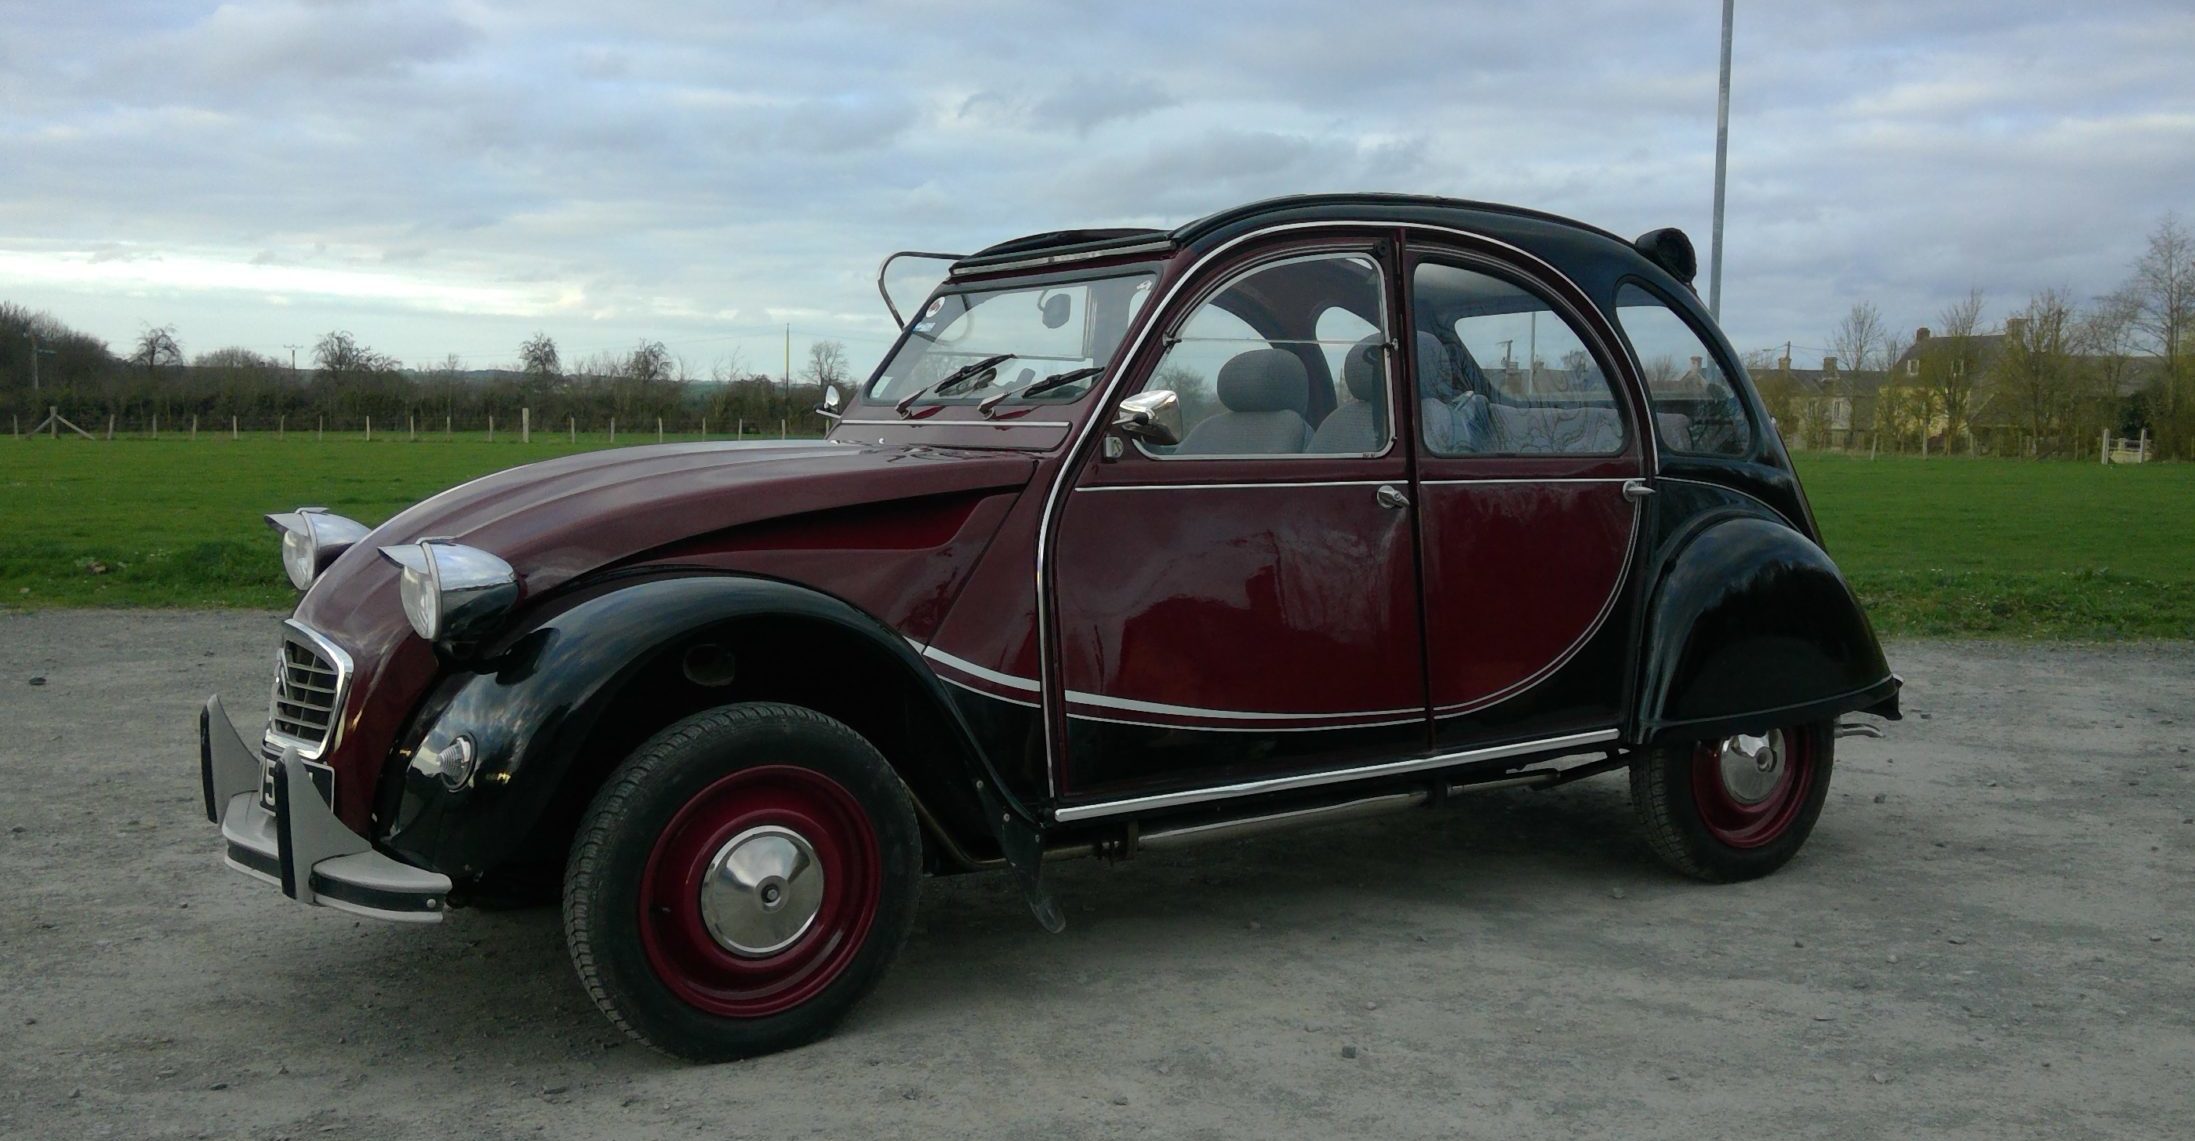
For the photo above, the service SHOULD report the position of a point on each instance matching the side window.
(1500, 373)
(1695, 408)
(1256, 365)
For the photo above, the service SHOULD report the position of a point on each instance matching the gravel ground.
(1989, 936)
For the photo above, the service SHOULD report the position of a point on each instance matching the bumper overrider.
(299, 845)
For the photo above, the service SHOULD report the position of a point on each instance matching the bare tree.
(1856, 339)
(826, 364)
(1952, 365)
(157, 348)
(2036, 368)
(537, 358)
(339, 357)
(2163, 293)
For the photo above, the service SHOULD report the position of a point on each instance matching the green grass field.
(1999, 548)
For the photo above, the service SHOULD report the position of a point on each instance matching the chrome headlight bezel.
(452, 592)
(312, 537)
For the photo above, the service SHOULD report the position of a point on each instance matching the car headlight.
(451, 591)
(311, 538)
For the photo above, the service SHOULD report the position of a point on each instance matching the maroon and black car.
(1311, 509)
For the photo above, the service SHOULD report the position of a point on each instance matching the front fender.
(534, 704)
(1752, 626)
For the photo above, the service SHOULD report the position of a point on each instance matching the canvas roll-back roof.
(1060, 247)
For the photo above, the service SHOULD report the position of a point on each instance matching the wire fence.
(520, 428)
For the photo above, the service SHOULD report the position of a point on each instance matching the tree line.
(342, 380)
(2059, 374)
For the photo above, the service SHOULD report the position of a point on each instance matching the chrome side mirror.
(832, 398)
(1154, 416)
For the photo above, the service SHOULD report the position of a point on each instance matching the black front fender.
(535, 709)
(1752, 626)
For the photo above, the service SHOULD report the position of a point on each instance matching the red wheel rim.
(1747, 797)
(702, 968)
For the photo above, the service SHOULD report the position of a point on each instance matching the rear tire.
(741, 881)
(1726, 810)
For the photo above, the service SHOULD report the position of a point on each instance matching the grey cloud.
(656, 161)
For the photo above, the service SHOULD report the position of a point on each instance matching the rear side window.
(1501, 373)
(1696, 410)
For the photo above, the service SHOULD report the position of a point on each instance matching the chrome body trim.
(1572, 741)
(931, 422)
(885, 267)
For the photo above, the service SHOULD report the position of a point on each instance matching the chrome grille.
(311, 676)
(306, 688)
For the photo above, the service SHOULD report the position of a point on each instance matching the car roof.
(1063, 247)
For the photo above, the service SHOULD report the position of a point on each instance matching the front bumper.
(299, 845)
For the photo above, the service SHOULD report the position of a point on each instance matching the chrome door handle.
(1636, 490)
(1391, 497)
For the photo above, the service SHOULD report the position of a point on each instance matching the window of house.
(1696, 408)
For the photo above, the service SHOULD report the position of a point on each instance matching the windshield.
(1037, 333)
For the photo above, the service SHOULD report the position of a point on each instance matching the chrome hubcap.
(1752, 766)
(761, 891)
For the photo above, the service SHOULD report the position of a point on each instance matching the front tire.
(1735, 808)
(741, 881)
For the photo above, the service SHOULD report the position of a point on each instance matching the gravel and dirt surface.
(1990, 936)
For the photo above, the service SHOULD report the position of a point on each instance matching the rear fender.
(1752, 626)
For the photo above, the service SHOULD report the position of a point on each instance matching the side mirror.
(1154, 416)
(832, 398)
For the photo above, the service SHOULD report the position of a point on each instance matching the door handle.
(1637, 490)
(1391, 497)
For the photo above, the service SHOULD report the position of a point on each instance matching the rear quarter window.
(1696, 406)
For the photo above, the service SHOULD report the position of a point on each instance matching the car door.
(1531, 480)
(1244, 604)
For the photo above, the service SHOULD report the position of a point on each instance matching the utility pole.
(1722, 168)
(788, 366)
(35, 353)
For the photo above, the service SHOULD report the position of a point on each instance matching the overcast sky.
(449, 177)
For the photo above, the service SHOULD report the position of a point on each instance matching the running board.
(1134, 838)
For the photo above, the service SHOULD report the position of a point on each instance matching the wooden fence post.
(781, 430)
(110, 425)
(573, 423)
(449, 432)
(194, 427)
(15, 426)
(156, 425)
(369, 429)
(411, 426)
(320, 428)
(491, 429)
(525, 425)
(704, 427)
(232, 428)
(659, 429)
(741, 434)
(281, 427)
(613, 429)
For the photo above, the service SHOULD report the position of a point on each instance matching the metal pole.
(1722, 168)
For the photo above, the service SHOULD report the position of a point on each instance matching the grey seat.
(1556, 429)
(1359, 426)
(1264, 392)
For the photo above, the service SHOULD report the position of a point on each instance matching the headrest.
(1437, 373)
(1264, 380)
(1364, 370)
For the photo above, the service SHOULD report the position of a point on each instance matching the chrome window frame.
(1359, 249)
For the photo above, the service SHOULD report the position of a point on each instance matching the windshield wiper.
(1038, 388)
(946, 383)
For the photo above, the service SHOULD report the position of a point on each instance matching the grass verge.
(1940, 547)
